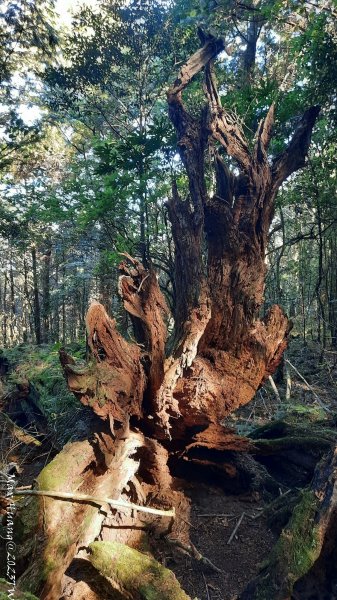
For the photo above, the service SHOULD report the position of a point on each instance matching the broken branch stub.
(145, 303)
(112, 385)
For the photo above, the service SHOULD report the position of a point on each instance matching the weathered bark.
(113, 385)
(234, 350)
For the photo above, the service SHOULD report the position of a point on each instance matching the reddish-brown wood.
(221, 350)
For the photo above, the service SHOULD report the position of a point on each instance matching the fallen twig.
(194, 552)
(236, 528)
(216, 515)
(206, 586)
(99, 501)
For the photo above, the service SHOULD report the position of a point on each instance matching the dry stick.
(194, 553)
(288, 388)
(274, 388)
(322, 405)
(236, 528)
(206, 586)
(100, 501)
(268, 506)
(217, 515)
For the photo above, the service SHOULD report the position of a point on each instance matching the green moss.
(40, 366)
(144, 544)
(48, 566)
(293, 555)
(26, 525)
(58, 473)
(135, 572)
(18, 594)
(299, 540)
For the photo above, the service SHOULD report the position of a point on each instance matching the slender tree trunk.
(56, 310)
(36, 301)
(46, 309)
(5, 314)
(13, 316)
(27, 308)
(64, 309)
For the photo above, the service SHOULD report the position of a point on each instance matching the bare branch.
(293, 158)
(120, 504)
(224, 128)
(195, 64)
(265, 131)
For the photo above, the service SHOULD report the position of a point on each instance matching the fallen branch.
(216, 515)
(21, 434)
(236, 528)
(192, 551)
(288, 388)
(274, 388)
(322, 405)
(99, 501)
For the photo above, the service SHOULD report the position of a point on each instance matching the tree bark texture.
(220, 351)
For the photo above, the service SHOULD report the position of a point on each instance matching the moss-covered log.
(51, 531)
(135, 574)
(303, 540)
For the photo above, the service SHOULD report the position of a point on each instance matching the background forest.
(160, 157)
(88, 153)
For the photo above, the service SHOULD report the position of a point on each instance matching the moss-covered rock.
(136, 573)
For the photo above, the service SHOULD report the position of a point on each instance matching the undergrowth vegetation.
(37, 373)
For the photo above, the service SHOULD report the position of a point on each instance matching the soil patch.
(239, 560)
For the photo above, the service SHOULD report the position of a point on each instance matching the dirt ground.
(214, 516)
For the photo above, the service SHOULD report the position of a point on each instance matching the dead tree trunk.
(221, 352)
(224, 351)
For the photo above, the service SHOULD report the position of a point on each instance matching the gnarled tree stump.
(152, 405)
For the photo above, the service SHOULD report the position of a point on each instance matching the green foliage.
(5, 588)
(94, 173)
(27, 32)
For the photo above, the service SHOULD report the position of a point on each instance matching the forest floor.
(214, 517)
(215, 513)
